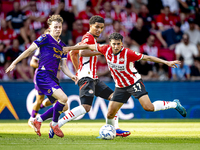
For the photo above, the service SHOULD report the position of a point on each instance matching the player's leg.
(103, 91)
(86, 93)
(161, 105)
(36, 108)
(58, 108)
(138, 91)
(54, 111)
(45, 103)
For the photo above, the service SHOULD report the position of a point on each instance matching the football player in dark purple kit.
(51, 55)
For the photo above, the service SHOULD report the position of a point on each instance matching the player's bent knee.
(65, 108)
(87, 107)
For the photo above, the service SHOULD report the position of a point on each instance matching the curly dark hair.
(52, 18)
(96, 18)
(116, 36)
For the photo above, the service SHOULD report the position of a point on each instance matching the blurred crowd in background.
(168, 29)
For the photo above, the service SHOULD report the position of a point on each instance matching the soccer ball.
(107, 132)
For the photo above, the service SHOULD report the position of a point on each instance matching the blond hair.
(52, 18)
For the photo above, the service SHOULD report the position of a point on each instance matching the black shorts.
(122, 94)
(88, 88)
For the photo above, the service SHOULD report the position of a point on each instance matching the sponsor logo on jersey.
(39, 39)
(119, 67)
(49, 91)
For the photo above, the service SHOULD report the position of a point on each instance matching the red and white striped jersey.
(121, 65)
(7, 36)
(87, 65)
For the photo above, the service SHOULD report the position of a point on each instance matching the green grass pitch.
(150, 134)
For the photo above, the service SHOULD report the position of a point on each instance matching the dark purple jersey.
(50, 53)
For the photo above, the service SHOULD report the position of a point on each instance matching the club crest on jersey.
(85, 40)
(39, 39)
(137, 53)
(121, 59)
(91, 91)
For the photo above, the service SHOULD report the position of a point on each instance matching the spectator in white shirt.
(193, 33)
(186, 49)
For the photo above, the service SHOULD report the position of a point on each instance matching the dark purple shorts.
(47, 82)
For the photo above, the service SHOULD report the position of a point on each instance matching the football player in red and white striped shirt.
(127, 80)
(89, 84)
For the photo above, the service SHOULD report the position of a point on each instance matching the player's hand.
(10, 68)
(75, 79)
(66, 50)
(173, 63)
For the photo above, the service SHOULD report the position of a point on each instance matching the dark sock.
(57, 111)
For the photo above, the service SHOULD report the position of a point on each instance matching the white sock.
(31, 119)
(110, 121)
(39, 119)
(70, 115)
(116, 118)
(163, 105)
(54, 123)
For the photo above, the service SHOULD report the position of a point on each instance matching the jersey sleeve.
(36, 54)
(88, 40)
(42, 40)
(102, 48)
(134, 56)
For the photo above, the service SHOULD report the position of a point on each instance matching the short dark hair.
(128, 5)
(89, 3)
(116, 36)
(178, 24)
(96, 18)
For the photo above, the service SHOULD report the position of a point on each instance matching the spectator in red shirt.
(7, 35)
(85, 15)
(166, 20)
(78, 31)
(119, 5)
(44, 6)
(37, 18)
(108, 13)
(115, 27)
(149, 47)
(24, 5)
(128, 17)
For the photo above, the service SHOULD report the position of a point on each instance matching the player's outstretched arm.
(74, 58)
(79, 47)
(158, 60)
(86, 53)
(25, 54)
